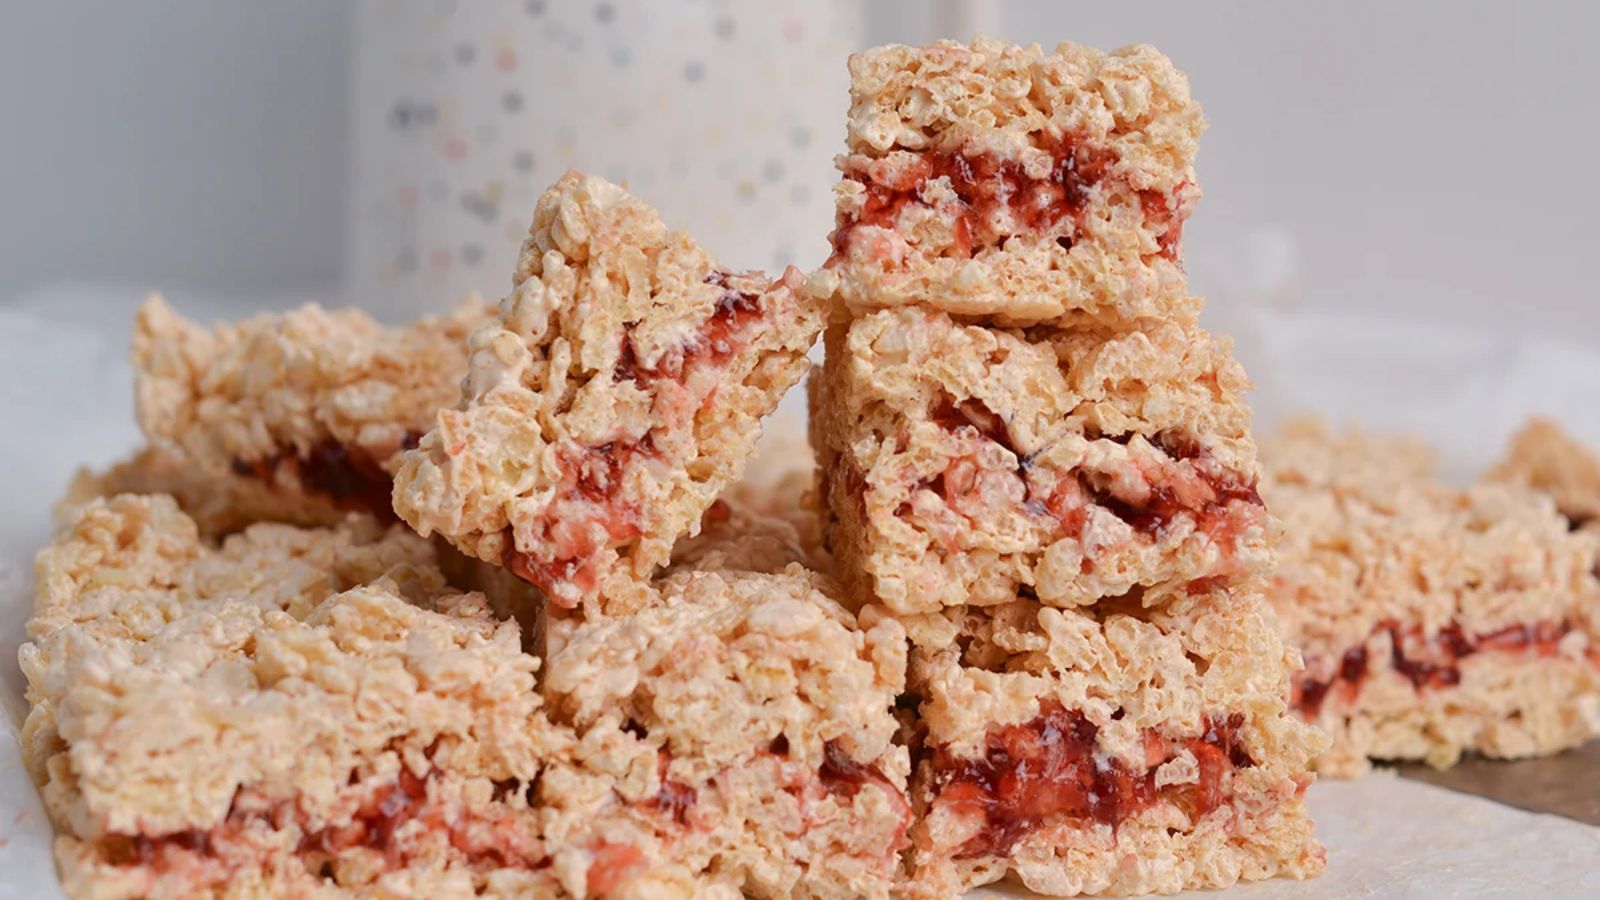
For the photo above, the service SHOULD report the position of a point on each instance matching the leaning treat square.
(620, 391)
(1434, 620)
(1006, 182)
(754, 711)
(1114, 749)
(963, 464)
(301, 416)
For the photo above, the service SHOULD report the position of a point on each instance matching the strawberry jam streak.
(1427, 663)
(986, 184)
(374, 826)
(349, 478)
(1048, 769)
(567, 556)
(1187, 487)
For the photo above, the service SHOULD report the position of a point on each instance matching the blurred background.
(1422, 160)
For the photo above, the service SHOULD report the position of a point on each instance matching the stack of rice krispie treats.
(1436, 620)
(479, 606)
(1036, 461)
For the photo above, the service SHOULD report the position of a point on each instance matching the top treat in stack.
(620, 392)
(1000, 181)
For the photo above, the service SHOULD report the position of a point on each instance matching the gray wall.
(1429, 159)
(190, 143)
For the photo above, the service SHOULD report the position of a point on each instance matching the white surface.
(66, 390)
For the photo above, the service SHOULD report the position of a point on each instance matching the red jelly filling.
(374, 826)
(1428, 662)
(1048, 769)
(567, 556)
(587, 495)
(1190, 487)
(986, 184)
(350, 478)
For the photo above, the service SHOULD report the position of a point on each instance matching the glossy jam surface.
(1048, 769)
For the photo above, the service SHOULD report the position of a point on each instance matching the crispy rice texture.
(963, 463)
(620, 391)
(1132, 673)
(765, 523)
(761, 691)
(1434, 620)
(295, 712)
(1544, 457)
(316, 404)
(219, 504)
(316, 712)
(1002, 181)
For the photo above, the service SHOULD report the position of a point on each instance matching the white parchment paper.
(66, 392)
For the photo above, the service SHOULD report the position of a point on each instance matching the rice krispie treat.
(1433, 620)
(965, 464)
(1005, 182)
(282, 715)
(219, 504)
(1114, 749)
(315, 712)
(620, 392)
(754, 710)
(1544, 457)
(761, 524)
(314, 404)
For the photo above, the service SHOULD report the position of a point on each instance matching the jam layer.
(589, 511)
(1048, 769)
(349, 478)
(1427, 662)
(987, 185)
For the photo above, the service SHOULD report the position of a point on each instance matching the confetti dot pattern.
(719, 113)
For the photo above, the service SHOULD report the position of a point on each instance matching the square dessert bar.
(1114, 749)
(295, 712)
(621, 390)
(315, 405)
(316, 712)
(1006, 182)
(753, 711)
(1434, 620)
(964, 464)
